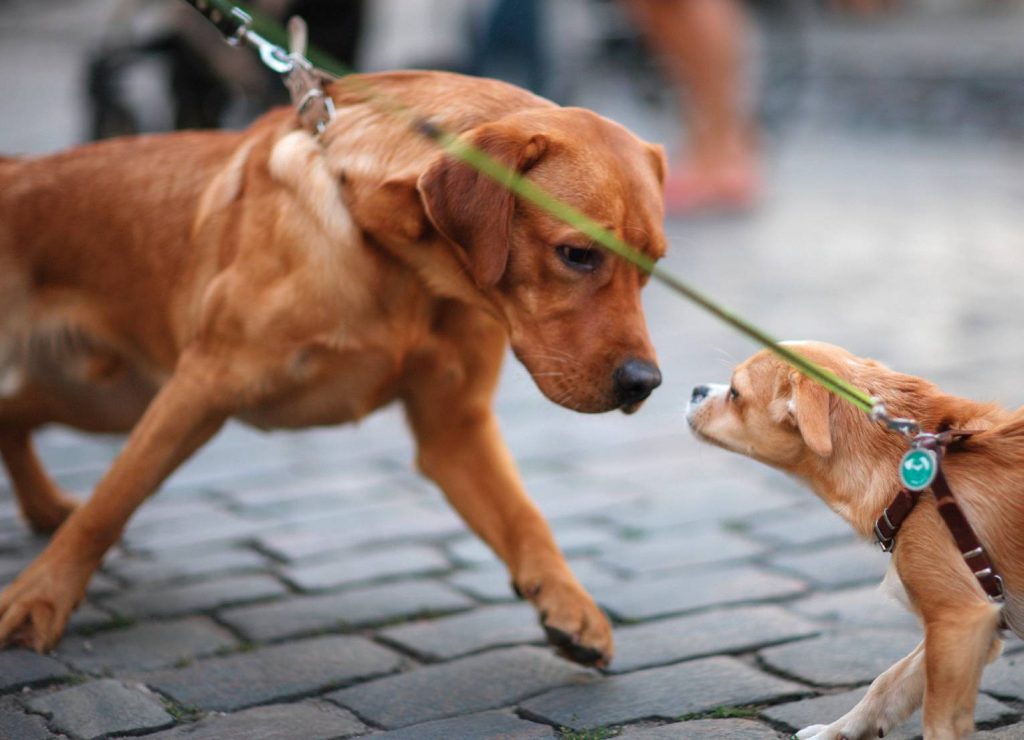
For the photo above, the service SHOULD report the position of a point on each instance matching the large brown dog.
(164, 284)
(773, 414)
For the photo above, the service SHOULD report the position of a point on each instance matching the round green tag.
(918, 469)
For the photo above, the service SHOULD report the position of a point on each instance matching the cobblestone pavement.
(310, 585)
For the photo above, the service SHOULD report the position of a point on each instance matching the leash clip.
(907, 427)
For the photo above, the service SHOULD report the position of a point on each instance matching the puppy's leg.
(892, 698)
(187, 412)
(461, 449)
(959, 643)
(42, 504)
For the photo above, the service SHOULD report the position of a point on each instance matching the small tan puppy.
(772, 413)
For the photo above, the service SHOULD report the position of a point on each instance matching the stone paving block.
(824, 710)
(676, 551)
(834, 567)
(351, 608)
(811, 524)
(174, 565)
(20, 668)
(308, 720)
(101, 585)
(662, 595)
(487, 681)
(146, 646)
(498, 725)
(212, 527)
(493, 583)
(88, 618)
(695, 504)
(1005, 677)
(170, 601)
(705, 729)
(681, 638)
(861, 606)
(388, 521)
(659, 693)
(843, 658)
(579, 494)
(358, 567)
(101, 708)
(16, 724)
(449, 637)
(1012, 732)
(275, 673)
(573, 537)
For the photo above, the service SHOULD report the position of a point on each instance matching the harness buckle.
(886, 543)
(1000, 596)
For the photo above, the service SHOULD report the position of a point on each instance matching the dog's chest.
(329, 387)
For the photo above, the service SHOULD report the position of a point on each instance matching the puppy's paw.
(35, 608)
(838, 730)
(571, 619)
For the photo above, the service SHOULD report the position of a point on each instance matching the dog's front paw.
(35, 608)
(571, 619)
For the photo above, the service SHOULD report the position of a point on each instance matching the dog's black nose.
(635, 380)
(700, 392)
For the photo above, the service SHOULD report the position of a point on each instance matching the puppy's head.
(772, 413)
(573, 310)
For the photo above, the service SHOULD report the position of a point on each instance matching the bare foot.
(712, 187)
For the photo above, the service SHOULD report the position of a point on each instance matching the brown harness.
(973, 552)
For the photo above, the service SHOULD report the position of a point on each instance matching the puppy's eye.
(733, 393)
(583, 259)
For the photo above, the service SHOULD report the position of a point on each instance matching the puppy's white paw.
(838, 730)
(814, 732)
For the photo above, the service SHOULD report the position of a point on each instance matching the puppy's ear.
(811, 406)
(473, 211)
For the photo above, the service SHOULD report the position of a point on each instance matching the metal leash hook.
(271, 54)
(907, 427)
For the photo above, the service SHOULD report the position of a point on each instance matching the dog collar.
(967, 542)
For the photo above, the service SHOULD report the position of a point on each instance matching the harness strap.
(893, 517)
(967, 542)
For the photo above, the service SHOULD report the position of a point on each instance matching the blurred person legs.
(206, 83)
(702, 44)
(507, 44)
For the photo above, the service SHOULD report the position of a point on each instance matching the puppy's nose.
(635, 380)
(700, 392)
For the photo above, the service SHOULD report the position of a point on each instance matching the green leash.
(232, 21)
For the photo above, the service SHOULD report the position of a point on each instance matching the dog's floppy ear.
(473, 211)
(810, 407)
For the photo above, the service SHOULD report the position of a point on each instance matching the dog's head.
(573, 310)
(772, 413)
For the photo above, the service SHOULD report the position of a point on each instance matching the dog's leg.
(42, 504)
(892, 698)
(187, 412)
(958, 646)
(461, 449)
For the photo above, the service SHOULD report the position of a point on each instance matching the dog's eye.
(733, 393)
(584, 259)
